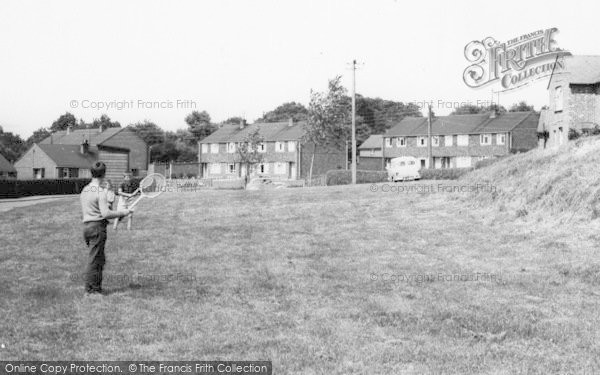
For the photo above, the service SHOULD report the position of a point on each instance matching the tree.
(12, 146)
(233, 120)
(248, 154)
(105, 122)
(199, 124)
(63, 122)
(284, 112)
(37, 136)
(522, 106)
(328, 122)
(469, 109)
(149, 132)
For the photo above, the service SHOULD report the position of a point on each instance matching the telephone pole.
(354, 122)
(429, 147)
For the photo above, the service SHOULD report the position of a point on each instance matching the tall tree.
(248, 152)
(200, 125)
(63, 122)
(284, 112)
(328, 122)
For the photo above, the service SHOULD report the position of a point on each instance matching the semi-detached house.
(459, 141)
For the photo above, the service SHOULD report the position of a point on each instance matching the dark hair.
(98, 169)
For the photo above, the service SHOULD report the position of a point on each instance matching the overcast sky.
(242, 58)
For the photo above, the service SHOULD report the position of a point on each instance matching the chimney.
(291, 122)
(85, 146)
(100, 128)
(242, 123)
(68, 129)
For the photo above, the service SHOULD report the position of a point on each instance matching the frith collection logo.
(514, 63)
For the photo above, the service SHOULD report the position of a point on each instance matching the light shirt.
(94, 204)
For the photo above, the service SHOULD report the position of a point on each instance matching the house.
(70, 154)
(459, 141)
(284, 154)
(574, 100)
(370, 154)
(6, 169)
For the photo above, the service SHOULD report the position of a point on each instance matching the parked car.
(403, 168)
(261, 183)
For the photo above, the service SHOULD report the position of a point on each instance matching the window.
(448, 140)
(435, 141)
(423, 163)
(39, 173)
(500, 139)
(215, 168)
(421, 141)
(231, 168)
(388, 142)
(214, 148)
(280, 168)
(262, 168)
(400, 142)
(558, 99)
(262, 147)
(67, 172)
(279, 147)
(205, 148)
(291, 146)
(231, 147)
(485, 139)
(462, 140)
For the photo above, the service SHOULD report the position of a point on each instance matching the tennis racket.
(151, 186)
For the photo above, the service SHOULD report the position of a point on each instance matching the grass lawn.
(335, 280)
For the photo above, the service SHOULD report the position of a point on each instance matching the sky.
(160, 60)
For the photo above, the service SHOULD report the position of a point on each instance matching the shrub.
(26, 188)
(344, 177)
(443, 174)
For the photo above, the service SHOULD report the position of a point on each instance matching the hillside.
(562, 183)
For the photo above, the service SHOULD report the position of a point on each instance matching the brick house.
(459, 141)
(70, 154)
(6, 169)
(574, 100)
(370, 154)
(285, 155)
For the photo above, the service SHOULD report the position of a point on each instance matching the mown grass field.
(303, 277)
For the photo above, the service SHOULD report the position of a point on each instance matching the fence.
(176, 170)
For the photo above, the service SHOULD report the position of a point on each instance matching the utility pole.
(429, 146)
(354, 122)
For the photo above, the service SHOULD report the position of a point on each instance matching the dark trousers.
(94, 233)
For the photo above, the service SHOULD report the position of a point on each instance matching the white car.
(262, 183)
(403, 168)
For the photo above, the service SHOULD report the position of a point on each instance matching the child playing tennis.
(96, 212)
(126, 191)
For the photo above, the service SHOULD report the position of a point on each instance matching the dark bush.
(443, 174)
(344, 177)
(26, 188)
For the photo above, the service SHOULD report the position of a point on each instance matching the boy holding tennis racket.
(96, 212)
